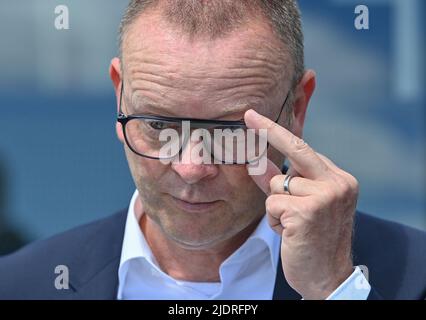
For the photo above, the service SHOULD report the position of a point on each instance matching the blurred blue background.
(60, 162)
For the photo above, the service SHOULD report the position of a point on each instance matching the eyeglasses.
(164, 138)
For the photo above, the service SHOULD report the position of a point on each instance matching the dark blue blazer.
(394, 254)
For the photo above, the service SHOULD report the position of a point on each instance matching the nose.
(191, 167)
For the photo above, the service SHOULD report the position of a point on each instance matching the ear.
(115, 75)
(303, 94)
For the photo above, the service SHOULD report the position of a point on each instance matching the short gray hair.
(216, 18)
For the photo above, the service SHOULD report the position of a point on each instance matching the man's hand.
(316, 220)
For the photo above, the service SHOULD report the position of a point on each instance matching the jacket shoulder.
(394, 255)
(30, 271)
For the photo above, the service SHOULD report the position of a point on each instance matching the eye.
(158, 125)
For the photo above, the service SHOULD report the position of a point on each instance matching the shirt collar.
(134, 242)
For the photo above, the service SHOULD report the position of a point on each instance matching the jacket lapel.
(95, 272)
(102, 286)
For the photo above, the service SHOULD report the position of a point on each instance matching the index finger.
(301, 156)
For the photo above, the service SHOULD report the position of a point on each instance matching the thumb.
(263, 180)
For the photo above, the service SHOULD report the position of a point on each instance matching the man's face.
(168, 74)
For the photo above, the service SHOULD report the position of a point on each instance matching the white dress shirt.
(248, 274)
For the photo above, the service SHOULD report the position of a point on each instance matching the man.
(197, 230)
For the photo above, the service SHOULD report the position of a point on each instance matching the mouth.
(195, 206)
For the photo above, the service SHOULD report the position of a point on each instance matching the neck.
(189, 264)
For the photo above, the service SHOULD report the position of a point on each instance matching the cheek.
(236, 175)
(144, 171)
(246, 196)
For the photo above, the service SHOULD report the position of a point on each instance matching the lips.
(193, 201)
(194, 206)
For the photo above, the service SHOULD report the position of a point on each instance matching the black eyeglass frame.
(199, 123)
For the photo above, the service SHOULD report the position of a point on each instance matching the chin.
(196, 236)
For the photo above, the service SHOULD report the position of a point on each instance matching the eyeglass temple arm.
(282, 108)
(120, 113)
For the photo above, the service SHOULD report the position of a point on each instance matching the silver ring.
(287, 184)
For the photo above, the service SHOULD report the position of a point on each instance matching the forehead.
(252, 44)
(157, 55)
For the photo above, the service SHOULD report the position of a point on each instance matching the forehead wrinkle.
(245, 83)
(247, 68)
(224, 109)
(139, 100)
(190, 82)
(150, 67)
(259, 88)
(255, 82)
